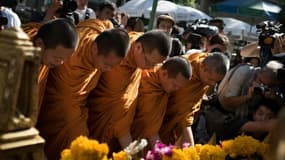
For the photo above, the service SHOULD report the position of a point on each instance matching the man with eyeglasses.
(112, 103)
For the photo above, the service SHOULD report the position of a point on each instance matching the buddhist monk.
(63, 115)
(57, 39)
(155, 86)
(207, 70)
(112, 104)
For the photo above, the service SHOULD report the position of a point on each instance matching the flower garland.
(244, 146)
(83, 148)
(210, 152)
(122, 155)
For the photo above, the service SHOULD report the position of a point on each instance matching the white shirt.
(82, 13)
(13, 19)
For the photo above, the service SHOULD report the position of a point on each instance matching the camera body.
(3, 20)
(260, 90)
(68, 7)
(202, 28)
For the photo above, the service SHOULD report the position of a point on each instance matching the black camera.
(268, 30)
(281, 74)
(202, 28)
(3, 20)
(260, 90)
(195, 40)
(67, 9)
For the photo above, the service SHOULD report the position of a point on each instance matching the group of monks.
(117, 86)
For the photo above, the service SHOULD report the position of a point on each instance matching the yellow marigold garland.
(122, 155)
(177, 154)
(210, 152)
(83, 148)
(244, 146)
(191, 153)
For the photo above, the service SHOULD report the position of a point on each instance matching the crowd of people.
(104, 77)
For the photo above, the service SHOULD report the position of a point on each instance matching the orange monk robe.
(184, 103)
(31, 29)
(151, 106)
(108, 24)
(63, 115)
(42, 80)
(112, 104)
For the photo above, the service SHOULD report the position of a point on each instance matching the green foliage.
(185, 2)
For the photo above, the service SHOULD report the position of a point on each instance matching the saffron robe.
(63, 114)
(31, 29)
(42, 80)
(151, 106)
(183, 103)
(112, 104)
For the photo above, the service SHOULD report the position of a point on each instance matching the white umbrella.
(236, 27)
(138, 8)
(163, 7)
(190, 14)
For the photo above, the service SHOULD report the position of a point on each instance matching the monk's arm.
(125, 140)
(188, 136)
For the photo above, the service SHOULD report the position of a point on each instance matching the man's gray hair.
(217, 62)
(271, 68)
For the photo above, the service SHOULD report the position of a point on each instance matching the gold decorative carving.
(19, 63)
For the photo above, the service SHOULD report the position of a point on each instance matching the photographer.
(61, 9)
(83, 12)
(106, 10)
(201, 37)
(270, 42)
(166, 23)
(207, 41)
(244, 85)
(8, 18)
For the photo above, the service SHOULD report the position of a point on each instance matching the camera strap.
(87, 13)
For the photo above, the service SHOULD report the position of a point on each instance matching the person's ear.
(40, 43)
(138, 47)
(164, 73)
(95, 49)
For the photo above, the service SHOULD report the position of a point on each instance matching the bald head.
(156, 40)
(58, 32)
(116, 40)
(217, 62)
(178, 65)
